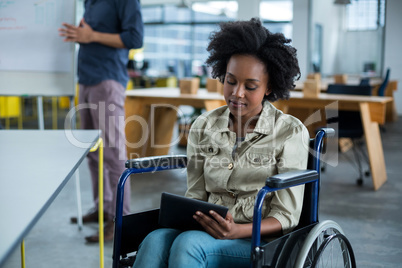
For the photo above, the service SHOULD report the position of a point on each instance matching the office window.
(152, 14)
(168, 47)
(276, 10)
(176, 36)
(285, 28)
(365, 15)
(174, 13)
(215, 11)
(277, 16)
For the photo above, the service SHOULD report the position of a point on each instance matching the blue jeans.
(174, 248)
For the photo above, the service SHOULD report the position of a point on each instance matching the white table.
(34, 167)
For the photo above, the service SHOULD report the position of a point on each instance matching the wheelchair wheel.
(326, 246)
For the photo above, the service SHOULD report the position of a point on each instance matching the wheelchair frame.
(303, 247)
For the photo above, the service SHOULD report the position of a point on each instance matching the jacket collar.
(265, 123)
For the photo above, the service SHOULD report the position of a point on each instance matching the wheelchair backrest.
(311, 192)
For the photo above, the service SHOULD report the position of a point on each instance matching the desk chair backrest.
(349, 122)
(383, 86)
(349, 89)
(365, 81)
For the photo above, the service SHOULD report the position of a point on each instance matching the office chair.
(381, 91)
(350, 125)
(365, 81)
(383, 86)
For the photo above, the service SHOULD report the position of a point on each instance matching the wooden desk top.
(204, 99)
(338, 101)
(297, 95)
(173, 93)
(352, 80)
(160, 93)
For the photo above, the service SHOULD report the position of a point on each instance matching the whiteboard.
(34, 60)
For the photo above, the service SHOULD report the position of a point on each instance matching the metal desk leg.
(78, 193)
(41, 122)
(22, 254)
(54, 112)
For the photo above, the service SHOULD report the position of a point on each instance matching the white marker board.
(34, 60)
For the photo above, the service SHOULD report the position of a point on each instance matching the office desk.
(161, 104)
(149, 128)
(372, 110)
(352, 80)
(391, 112)
(34, 167)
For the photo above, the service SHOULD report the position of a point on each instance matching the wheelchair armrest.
(157, 161)
(329, 132)
(275, 183)
(291, 178)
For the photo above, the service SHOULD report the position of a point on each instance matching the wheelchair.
(310, 244)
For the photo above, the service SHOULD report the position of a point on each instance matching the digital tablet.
(177, 211)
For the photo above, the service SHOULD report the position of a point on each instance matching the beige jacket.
(278, 144)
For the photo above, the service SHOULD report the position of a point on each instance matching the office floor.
(372, 220)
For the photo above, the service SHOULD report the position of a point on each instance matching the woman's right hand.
(217, 226)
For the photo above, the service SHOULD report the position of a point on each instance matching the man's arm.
(85, 34)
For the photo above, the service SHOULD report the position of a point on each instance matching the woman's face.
(245, 86)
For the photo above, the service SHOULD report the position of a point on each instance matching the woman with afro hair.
(233, 149)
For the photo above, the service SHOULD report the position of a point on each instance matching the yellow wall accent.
(166, 82)
(10, 106)
(64, 102)
(130, 84)
(132, 52)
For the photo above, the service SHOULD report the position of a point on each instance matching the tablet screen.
(177, 211)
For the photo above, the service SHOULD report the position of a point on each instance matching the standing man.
(106, 33)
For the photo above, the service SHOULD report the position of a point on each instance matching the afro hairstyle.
(252, 38)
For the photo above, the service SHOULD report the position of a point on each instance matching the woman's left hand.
(217, 226)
